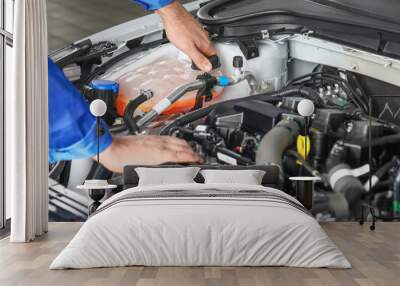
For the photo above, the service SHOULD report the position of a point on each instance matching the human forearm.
(187, 34)
(152, 4)
(146, 150)
(72, 128)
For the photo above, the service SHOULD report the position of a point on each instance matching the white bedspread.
(188, 231)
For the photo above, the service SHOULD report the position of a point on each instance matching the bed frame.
(272, 178)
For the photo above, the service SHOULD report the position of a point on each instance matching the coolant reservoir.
(269, 68)
(161, 78)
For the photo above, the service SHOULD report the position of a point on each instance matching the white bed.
(201, 224)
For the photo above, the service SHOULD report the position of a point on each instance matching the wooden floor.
(375, 257)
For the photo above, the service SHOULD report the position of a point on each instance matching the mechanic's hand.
(146, 150)
(187, 35)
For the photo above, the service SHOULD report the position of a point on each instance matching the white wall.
(7, 93)
(9, 8)
(9, 24)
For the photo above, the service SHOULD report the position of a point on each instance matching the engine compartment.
(256, 120)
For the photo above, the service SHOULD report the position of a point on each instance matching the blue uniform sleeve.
(72, 128)
(153, 4)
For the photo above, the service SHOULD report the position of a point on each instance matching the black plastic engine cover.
(328, 120)
(258, 116)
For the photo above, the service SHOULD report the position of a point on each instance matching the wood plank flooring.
(375, 257)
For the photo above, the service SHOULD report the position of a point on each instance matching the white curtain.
(26, 123)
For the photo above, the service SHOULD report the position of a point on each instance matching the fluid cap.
(237, 62)
(103, 84)
(305, 107)
(214, 60)
(98, 107)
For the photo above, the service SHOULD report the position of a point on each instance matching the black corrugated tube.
(129, 112)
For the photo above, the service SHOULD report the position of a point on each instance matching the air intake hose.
(275, 142)
(345, 180)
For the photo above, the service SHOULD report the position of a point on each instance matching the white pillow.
(245, 177)
(166, 176)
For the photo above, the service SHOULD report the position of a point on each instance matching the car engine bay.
(246, 111)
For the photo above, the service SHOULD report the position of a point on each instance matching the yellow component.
(301, 140)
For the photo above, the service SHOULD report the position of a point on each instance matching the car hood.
(367, 24)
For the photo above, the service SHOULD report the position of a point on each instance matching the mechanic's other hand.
(187, 35)
(146, 150)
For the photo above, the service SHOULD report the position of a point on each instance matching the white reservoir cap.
(98, 107)
(305, 107)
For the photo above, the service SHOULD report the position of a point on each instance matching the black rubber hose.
(352, 78)
(378, 175)
(241, 160)
(266, 97)
(186, 119)
(384, 169)
(302, 91)
(308, 167)
(303, 78)
(390, 139)
(130, 111)
(381, 187)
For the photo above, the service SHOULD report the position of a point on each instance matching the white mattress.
(186, 230)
